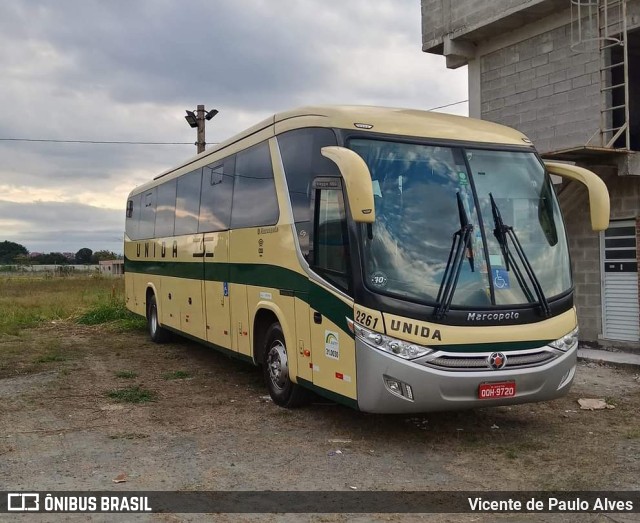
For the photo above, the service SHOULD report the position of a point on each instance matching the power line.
(99, 142)
(123, 142)
(448, 105)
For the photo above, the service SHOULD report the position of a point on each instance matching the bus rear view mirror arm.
(598, 192)
(357, 181)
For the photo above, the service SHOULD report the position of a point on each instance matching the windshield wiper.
(503, 233)
(461, 242)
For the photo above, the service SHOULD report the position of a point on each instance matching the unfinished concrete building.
(564, 72)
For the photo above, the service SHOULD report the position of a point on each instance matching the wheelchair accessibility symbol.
(500, 279)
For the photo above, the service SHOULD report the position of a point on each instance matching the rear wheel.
(157, 333)
(275, 367)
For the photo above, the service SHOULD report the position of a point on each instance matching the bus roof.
(386, 120)
(410, 122)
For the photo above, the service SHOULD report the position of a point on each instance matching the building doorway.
(620, 308)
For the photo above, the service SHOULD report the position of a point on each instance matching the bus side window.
(302, 161)
(165, 209)
(188, 202)
(217, 191)
(330, 255)
(147, 214)
(255, 202)
(133, 217)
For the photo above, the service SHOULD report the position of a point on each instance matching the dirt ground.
(211, 426)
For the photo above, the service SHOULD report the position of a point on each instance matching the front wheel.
(275, 367)
(156, 332)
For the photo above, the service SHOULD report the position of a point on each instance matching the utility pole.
(200, 144)
(197, 121)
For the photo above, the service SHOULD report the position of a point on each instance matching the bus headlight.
(404, 349)
(567, 342)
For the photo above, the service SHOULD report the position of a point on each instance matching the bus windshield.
(424, 194)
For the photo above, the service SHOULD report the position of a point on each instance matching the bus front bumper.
(438, 390)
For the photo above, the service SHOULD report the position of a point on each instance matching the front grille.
(450, 361)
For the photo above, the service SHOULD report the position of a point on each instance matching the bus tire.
(156, 332)
(275, 368)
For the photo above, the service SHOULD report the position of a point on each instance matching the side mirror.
(357, 181)
(598, 192)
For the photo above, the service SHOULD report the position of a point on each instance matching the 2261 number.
(366, 319)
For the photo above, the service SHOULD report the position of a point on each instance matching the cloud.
(122, 70)
(58, 226)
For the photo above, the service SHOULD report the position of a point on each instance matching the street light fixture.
(196, 120)
(191, 119)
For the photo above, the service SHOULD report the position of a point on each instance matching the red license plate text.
(504, 389)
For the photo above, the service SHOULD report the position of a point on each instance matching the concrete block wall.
(442, 17)
(584, 245)
(544, 89)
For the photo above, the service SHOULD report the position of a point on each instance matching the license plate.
(503, 389)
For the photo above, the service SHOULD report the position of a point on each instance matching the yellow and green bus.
(392, 260)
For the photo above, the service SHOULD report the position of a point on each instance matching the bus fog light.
(393, 386)
(399, 388)
(409, 391)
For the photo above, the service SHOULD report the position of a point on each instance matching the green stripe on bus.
(259, 275)
(499, 346)
(333, 396)
(223, 350)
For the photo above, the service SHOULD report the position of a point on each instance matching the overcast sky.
(127, 70)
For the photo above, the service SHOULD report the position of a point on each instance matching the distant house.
(112, 267)
(567, 74)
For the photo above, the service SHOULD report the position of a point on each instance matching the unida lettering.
(493, 316)
(409, 328)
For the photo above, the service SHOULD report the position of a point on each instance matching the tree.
(22, 259)
(9, 251)
(99, 256)
(53, 258)
(84, 255)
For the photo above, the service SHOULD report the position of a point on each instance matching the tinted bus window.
(165, 209)
(147, 214)
(217, 192)
(303, 161)
(131, 226)
(188, 203)
(330, 238)
(254, 194)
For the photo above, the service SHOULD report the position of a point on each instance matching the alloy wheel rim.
(277, 365)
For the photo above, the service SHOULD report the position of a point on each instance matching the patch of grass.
(126, 374)
(106, 309)
(27, 300)
(511, 454)
(47, 358)
(176, 375)
(129, 435)
(132, 322)
(112, 309)
(633, 434)
(132, 395)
